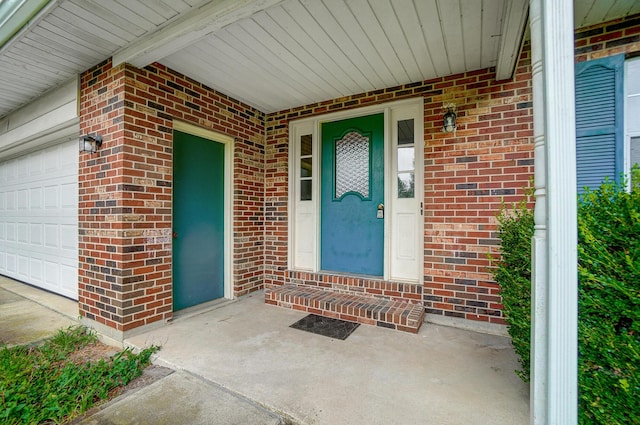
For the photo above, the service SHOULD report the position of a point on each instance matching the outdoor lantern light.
(90, 143)
(449, 120)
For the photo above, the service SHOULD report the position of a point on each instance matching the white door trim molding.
(304, 217)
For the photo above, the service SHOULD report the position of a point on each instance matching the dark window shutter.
(599, 129)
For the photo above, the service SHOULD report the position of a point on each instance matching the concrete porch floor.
(441, 376)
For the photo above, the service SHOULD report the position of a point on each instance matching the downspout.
(554, 313)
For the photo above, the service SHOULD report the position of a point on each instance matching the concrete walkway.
(28, 314)
(181, 398)
(240, 363)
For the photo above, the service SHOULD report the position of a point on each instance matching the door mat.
(326, 326)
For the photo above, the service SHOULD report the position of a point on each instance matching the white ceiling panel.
(491, 29)
(590, 12)
(70, 36)
(340, 51)
(314, 50)
(273, 54)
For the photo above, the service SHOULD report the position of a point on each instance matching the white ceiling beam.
(188, 29)
(513, 23)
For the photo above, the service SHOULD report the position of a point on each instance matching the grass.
(50, 384)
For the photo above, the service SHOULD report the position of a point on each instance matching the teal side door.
(198, 220)
(352, 230)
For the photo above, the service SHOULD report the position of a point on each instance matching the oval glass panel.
(352, 165)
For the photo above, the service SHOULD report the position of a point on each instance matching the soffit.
(275, 54)
(70, 36)
(305, 51)
(592, 12)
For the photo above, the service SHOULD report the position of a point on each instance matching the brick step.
(384, 312)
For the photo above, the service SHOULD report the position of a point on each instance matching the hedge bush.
(609, 304)
(608, 298)
(513, 273)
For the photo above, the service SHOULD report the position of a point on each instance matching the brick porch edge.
(384, 312)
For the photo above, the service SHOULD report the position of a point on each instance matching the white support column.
(554, 395)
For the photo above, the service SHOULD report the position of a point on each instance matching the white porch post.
(555, 306)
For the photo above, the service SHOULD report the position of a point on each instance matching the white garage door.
(39, 218)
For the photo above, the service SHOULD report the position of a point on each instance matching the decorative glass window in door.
(406, 159)
(352, 165)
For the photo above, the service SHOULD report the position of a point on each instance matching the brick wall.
(466, 177)
(126, 189)
(608, 39)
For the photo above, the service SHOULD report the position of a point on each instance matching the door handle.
(380, 212)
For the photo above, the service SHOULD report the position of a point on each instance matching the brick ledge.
(384, 312)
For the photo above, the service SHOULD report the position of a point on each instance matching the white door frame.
(304, 217)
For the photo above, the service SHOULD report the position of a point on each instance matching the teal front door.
(198, 220)
(352, 196)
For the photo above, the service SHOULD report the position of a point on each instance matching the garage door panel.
(51, 235)
(51, 197)
(10, 171)
(69, 237)
(23, 233)
(11, 232)
(69, 196)
(11, 201)
(36, 168)
(22, 168)
(35, 198)
(69, 280)
(51, 273)
(35, 233)
(35, 270)
(39, 218)
(23, 268)
(12, 263)
(68, 154)
(23, 202)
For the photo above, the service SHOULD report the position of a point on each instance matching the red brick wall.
(126, 189)
(608, 39)
(466, 177)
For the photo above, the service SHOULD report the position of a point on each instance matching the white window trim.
(629, 116)
(309, 260)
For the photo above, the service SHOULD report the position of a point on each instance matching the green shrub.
(513, 274)
(608, 298)
(609, 305)
(42, 385)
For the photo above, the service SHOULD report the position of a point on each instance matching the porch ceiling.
(275, 54)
